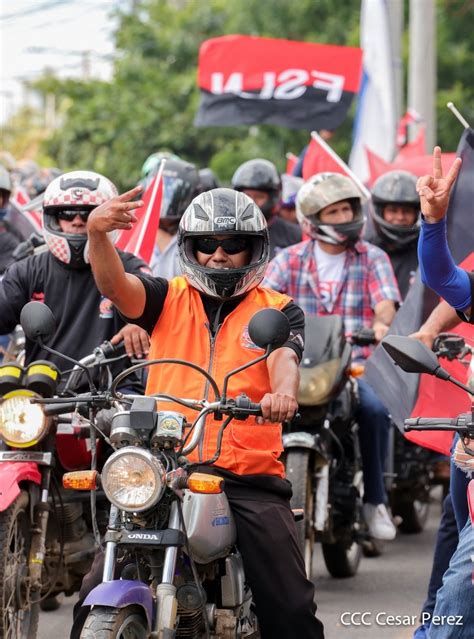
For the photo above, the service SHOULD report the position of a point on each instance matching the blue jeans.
(455, 597)
(374, 427)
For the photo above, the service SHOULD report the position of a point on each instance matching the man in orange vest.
(203, 317)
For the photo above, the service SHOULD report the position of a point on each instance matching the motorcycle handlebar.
(363, 337)
(459, 423)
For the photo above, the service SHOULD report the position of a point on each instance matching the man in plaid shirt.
(336, 273)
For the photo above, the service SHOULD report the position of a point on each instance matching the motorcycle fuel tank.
(209, 524)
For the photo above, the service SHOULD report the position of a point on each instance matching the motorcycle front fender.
(299, 440)
(121, 593)
(11, 474)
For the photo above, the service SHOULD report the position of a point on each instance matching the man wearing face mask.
(62, 276)
(8, 240)
(336, 273)
(260, 180)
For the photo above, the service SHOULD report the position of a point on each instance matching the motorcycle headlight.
(133, 480)
(317, 382)
(22, 424)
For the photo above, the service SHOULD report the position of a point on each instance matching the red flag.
(252, 80)
(20, 200)
(414, 148)
(291, 162)
(377, 165)
(140, 239)
(417, 164)
(410, 117)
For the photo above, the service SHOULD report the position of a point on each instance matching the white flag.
(375, 123)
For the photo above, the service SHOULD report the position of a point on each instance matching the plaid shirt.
(368, 279)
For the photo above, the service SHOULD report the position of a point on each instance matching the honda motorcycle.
(323, 460)
(46, 538)
(171, 536)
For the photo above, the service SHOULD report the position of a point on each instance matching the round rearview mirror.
(37, 321)
(269, 327)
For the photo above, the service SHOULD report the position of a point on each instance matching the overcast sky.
(64, 29)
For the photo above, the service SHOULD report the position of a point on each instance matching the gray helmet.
(320, 191)
(395, 187)
(223, 212)
(259, 175)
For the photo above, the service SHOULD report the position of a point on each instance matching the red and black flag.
(407, 394)
(298, 85)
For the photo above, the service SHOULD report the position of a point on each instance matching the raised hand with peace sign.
(434, 190)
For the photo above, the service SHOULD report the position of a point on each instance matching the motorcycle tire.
(298, 472)
(342, 562)
(112, 623)
(19, 612)
(414, 515)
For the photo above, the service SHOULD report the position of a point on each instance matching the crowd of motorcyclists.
(313, 248)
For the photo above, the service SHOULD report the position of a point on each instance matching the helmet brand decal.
(221, 521)
(76, 194)
(224, 221)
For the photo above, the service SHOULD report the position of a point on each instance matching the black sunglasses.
(69, 215)
(231, 245)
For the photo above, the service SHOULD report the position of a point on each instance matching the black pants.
(274, 566)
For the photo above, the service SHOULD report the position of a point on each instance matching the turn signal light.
(81, 480)
(203, 483)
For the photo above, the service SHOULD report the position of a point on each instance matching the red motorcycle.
(47, 534)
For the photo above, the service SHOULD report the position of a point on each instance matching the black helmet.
(259, 175)
(180, 185)
(223, 212)
(207, 180)
(395, 187)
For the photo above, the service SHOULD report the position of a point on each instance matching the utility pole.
(395, 13)
(422, 65)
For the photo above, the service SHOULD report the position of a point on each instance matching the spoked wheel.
(298, 473)
(19, 606)
(115, 623)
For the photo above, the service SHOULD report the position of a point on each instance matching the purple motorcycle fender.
(121, 593)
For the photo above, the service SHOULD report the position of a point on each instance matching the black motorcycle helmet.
(207, 180)
(259, 175)
(180, 185)
(395, 187)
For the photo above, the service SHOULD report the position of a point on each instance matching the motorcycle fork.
(166, 604)
(111, 546)
(38, 537)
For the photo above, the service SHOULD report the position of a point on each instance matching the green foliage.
(152, 99)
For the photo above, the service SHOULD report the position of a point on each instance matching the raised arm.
(438, 269)
(126, 291)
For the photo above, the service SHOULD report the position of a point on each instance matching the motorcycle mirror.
(269, 327)
(37, 321)
(413, 356)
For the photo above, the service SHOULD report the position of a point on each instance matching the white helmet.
(223, 212)
(74, 192)
(320, 191)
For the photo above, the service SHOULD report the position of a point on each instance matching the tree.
(152, 99)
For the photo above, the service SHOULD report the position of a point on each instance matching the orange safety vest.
(182, 331)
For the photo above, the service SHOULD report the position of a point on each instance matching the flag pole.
(151, 203)
(363, 189)
(456, 113)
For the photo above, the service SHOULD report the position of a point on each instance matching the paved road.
(394, 583)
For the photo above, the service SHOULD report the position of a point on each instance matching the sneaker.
(379, 522)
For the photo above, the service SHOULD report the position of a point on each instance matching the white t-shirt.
(330, 270)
